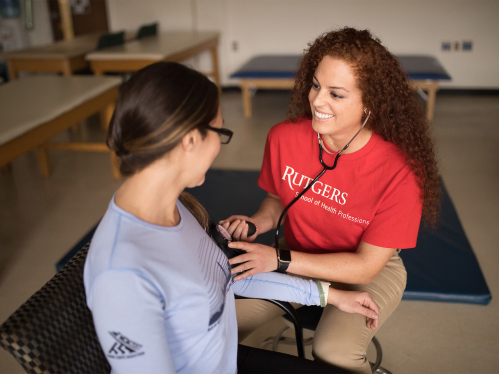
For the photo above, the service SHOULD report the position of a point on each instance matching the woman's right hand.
(238, 228)
(264, 219)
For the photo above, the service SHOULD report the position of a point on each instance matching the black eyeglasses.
(225, 134)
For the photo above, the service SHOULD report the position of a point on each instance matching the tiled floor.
(42, 218)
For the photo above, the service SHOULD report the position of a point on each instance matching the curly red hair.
(396, 115)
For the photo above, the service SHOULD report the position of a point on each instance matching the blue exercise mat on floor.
(442, 267)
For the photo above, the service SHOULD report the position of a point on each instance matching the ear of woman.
(191, 140)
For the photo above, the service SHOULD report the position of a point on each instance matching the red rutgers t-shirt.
(371, 196)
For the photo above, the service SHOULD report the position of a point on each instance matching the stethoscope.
(326, 167)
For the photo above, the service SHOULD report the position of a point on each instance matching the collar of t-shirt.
(329, 158)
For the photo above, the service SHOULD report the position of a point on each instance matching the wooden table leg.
(216, 70)
(6, 169)
(13, 73)
(66, 68)
(44, 161)
(245, 90)
(67, 71)
(97, 72)
(106, 115)
(430, 105)
(430, 86)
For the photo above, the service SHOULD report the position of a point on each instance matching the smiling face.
(336, 102)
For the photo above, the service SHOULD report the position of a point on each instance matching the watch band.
(283, 259)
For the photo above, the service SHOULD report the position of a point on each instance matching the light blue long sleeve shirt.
(162, 298)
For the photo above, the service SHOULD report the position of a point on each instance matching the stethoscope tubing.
(326, 168)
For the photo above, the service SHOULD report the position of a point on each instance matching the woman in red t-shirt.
(349, 227)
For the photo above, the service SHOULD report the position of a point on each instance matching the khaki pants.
(341, 338)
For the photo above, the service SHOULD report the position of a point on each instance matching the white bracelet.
(323, 291)
(325, 288)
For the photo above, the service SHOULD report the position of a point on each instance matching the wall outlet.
(467, 45)
(457, 46)
(235, 45)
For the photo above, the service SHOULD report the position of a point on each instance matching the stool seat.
(309, 316)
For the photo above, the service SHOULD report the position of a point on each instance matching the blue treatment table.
(278, 72)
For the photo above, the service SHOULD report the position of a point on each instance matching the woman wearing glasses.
(160, 290)
(349, 227)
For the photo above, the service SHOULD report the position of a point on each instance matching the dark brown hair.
(396, 114)
(156, 107)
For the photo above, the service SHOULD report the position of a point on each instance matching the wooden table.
(37, 108)
(170, 46)
(64, 57)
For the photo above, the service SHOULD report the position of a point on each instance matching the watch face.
(285, 255)
(224, 233)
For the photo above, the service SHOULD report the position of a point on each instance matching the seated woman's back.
(143, 278)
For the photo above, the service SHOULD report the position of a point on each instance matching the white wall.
(42, 30)
(285, 26)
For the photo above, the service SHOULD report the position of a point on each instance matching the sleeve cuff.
(323, 291)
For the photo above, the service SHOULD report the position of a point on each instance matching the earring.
(365, 110)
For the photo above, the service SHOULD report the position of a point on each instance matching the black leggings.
(257, 361)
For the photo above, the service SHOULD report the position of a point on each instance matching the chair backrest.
(53, 332)
(147, 30)
(111, 40)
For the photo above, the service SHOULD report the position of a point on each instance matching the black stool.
(292, 316)
(309, 317)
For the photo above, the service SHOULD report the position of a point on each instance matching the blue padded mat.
(284, 66)
(442, 267)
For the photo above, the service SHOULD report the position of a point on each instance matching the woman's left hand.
(355, 302)
(258, 258)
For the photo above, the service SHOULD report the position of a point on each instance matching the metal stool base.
(382, 370)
